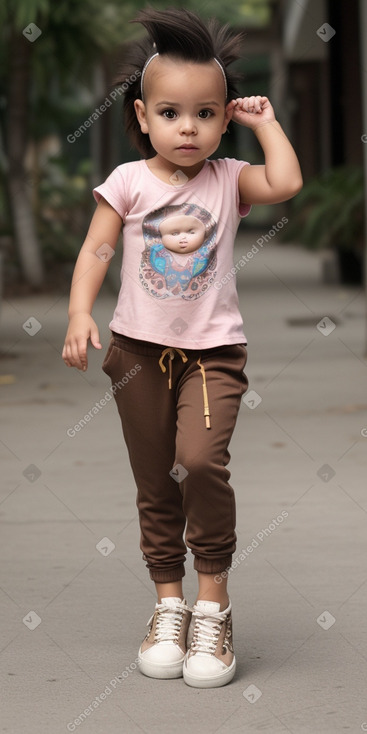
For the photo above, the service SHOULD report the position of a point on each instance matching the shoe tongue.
(208, 607)
(171, 601)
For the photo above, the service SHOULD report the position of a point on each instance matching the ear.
(140, 111)
(228, 113)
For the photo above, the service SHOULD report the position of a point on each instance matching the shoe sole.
(214, 681)
(160, 670)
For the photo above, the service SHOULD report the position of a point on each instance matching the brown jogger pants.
(167, 398)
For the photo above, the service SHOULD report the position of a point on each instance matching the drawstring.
(205, 395)
(171, 352)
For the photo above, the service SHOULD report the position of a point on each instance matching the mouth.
(187, 146)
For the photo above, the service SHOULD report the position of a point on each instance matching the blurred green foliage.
(63, 210)
(329, 211)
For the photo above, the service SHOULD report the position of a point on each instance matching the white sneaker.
(210, 661)
(162, 651)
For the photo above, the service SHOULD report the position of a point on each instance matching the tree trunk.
(19, 189)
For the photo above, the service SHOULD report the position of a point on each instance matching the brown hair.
(182, 35)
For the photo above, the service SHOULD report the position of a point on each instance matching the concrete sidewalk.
(73, 615)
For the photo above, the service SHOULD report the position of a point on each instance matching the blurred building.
(313, 49)
(321, 44)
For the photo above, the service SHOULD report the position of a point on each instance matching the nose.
(188, 125)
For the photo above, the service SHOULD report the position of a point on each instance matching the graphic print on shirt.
(180, 254)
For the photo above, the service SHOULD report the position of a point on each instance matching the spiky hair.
(182, 35)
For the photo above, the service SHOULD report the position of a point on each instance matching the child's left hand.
(251, 111)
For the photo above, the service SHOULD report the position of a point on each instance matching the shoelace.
(206, 631)
(169, 621)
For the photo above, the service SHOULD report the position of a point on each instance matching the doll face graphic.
(182, 234)
(179, 259)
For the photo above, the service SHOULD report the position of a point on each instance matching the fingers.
(231, 105)
(74, 353)
(252, 105)
(94, 337)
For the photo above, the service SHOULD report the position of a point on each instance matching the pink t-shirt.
(177, 247)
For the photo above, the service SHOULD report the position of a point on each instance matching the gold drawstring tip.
(169, 383)
(207, 414)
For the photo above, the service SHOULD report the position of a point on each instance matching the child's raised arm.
(89, 273)
(280, 178)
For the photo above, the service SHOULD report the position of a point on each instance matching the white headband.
(157, 54)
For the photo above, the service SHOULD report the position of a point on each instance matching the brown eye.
(205, 114)
(169, 114)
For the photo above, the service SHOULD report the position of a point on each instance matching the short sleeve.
(114, 191)
(243, 209)
(233, 168)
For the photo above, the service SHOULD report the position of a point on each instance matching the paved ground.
(299, 593)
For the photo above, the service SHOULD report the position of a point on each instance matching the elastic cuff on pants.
(165, 576)
(212, 565)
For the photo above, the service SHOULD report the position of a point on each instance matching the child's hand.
(252, 111)
(81, 328)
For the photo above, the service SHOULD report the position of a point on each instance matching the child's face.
(182, 233)
(184, 106)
